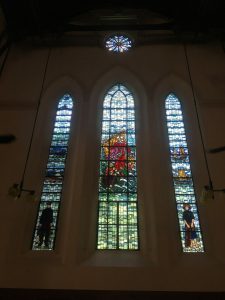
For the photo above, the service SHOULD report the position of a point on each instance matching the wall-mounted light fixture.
(16, 190)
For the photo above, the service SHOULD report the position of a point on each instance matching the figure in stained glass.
(45, 223)
(117, 153)
(189, 223)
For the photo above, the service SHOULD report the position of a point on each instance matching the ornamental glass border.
(117, 205)
(187, 211)
(54, 177)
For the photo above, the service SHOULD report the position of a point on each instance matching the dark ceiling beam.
(118, 27)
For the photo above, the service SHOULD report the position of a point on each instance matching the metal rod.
(36, 116)
(5, 58)
(198, 119)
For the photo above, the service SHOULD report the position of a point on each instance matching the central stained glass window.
(117, 207)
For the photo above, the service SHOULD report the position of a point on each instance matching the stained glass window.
(117, 206)
(190, 231)
(118, 43)
(46, 224)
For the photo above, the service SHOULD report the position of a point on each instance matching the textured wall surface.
(151, 73)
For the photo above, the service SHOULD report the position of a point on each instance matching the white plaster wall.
(150, 72)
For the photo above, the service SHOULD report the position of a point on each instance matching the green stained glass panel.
(117, 217)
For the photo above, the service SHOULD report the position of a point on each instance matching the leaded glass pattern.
(53, 181)
(190, 231)
(118, 43)
(117, 206)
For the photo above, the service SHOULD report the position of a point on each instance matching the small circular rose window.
(118, 43)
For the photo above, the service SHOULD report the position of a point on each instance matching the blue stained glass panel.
(46, 223)
(190, 231)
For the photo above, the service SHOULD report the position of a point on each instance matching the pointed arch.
(190, 231)
(117, 206)
(46, 223)
(122, 74)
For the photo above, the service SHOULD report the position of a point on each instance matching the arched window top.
(66, 102)
(172, 102)
(118, 97)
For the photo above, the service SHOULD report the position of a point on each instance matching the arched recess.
(48, 115)
(136, 87)
(174, 85)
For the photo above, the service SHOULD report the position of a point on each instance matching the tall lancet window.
(117, 207)
(190, 232)
(46, 224)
